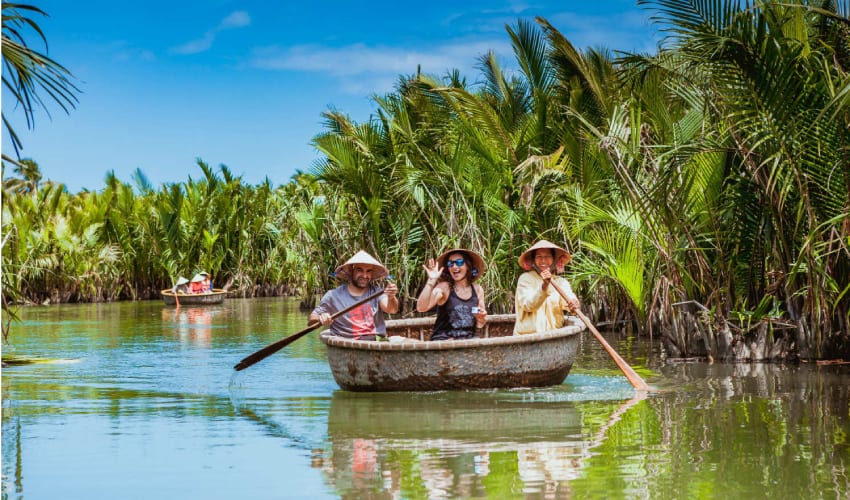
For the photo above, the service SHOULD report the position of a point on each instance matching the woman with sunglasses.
(451, 288)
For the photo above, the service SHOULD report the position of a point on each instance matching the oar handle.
(627, 370)
(280, 344)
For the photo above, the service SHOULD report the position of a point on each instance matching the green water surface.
(141, 401)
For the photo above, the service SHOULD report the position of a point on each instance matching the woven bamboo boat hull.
(497, 360)
(194, 299)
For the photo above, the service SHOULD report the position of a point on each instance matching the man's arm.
(389, 300)
(321, 313)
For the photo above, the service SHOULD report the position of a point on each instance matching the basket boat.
(194, 299)
(496, 359)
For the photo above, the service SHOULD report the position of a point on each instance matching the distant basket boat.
(193, 299)
(498, 359)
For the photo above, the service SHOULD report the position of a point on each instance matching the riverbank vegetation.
(703, 190)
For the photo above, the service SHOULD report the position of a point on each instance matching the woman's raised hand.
(430, 292)
(434, 272)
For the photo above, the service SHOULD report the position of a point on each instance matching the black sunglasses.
(452, 263)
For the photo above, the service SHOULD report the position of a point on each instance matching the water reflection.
(455, 444)
(149, 405)
(192, 324)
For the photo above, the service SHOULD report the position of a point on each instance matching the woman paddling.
(540, 307)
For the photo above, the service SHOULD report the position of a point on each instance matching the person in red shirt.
(197, 284)
(365, 322)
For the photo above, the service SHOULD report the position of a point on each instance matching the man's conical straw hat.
(343, 272)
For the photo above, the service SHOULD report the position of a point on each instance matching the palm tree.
(768, 78)
(28, 74)
(29, 180)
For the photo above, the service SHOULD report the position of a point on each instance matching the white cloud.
(196, 46)
(238, 19)
(620, 31)
(122, 51)
(376, 65)
(235, 20)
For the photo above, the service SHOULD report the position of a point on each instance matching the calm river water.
(141, 401)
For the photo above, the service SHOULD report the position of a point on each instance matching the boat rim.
(445, 345)
(172, 294)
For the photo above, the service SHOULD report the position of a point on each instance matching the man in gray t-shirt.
(367, 320)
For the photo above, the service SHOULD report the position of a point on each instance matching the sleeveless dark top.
(455, 319)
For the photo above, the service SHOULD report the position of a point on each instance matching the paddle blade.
(280, 344)
(272, 348)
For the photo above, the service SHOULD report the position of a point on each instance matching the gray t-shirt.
(366, 319)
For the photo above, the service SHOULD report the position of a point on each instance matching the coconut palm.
(30, 76)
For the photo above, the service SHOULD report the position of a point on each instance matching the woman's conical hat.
(343, 272)
(562, 257)
(477, 261)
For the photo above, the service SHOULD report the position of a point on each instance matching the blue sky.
(244, 83)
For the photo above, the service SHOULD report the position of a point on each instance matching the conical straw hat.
(562, 257)
(343, 272)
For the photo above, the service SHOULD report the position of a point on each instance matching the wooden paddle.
(280, 344)
(627, 370)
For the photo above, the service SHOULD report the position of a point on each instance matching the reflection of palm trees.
(548, 465)
(11, 450)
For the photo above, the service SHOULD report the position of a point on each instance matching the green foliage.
(29, 74)
(713, 171)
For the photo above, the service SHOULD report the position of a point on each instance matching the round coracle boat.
(193, 299)
(496, 359)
